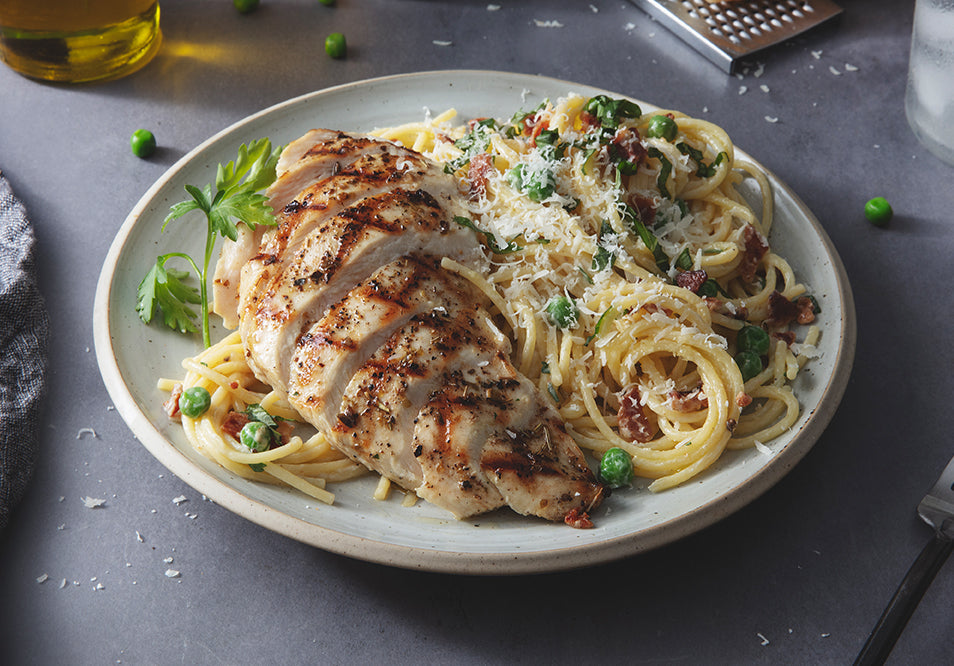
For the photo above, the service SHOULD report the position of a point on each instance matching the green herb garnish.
(664, 170)
(702, 169)
(648, 238)
(236, 199)
(610, 112)
(488, 237)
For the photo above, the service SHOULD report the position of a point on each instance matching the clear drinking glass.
(929, 102)
(78, 40)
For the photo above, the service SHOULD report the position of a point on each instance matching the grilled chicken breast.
(345, 307)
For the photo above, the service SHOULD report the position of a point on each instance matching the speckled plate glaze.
(131, 356)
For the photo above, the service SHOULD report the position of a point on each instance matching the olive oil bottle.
(78, 40)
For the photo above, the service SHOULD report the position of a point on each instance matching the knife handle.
(905, 600)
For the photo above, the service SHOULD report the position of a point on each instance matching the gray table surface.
(798, 576)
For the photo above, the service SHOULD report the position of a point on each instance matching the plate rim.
(448, 561)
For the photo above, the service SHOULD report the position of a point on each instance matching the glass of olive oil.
(78, 40)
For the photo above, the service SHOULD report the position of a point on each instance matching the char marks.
(347, 309)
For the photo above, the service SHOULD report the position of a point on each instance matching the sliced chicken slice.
(345, 307)
(440, 410)
(346, 168)
(283, 293)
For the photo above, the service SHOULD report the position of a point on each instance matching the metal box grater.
(727, 32)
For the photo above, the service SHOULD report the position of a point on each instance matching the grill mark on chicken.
(346, 309)
(341, 251)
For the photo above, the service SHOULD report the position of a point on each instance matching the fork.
(937, 510)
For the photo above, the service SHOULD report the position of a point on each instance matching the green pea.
(255, 436)
(878, 211)
(245, 6)
(563, 312)
(750, 364)
(143, 143)
(616, 468)
(335, 45)
(662, 127)
(194, 402)
(754, 339)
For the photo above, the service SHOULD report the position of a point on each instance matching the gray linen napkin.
(24, 328)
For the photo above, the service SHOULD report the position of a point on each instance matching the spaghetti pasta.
(624, 215)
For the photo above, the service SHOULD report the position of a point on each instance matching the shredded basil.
(712, 288)
(684, 260)
(602, 258)
(610, 112)
(488, 237)
(664, 170)
(649, 240)
(702, 169)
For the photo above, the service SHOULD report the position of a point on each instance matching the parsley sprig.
(236, 199)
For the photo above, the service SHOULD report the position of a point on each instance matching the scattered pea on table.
(143, 143)
(335, 45)
(878, 211)
(245, 6)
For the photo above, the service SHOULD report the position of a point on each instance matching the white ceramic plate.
(131, 356)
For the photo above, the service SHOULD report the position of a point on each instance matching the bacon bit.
(788, 337)
(743, 399)
(480, 165)
(727, 308)
(626, 145)
(471, 124)
(781, 310)
(588, 121)
(532, 126)
(578, 519)
(234, 422)
(692, 280)
(285, 429)
(644, 207)
(688, 401)
(741, 312)
(233, 385)
(730, 424)
(806, 310)
(755, 248)
(634, 425)
(171, 406)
